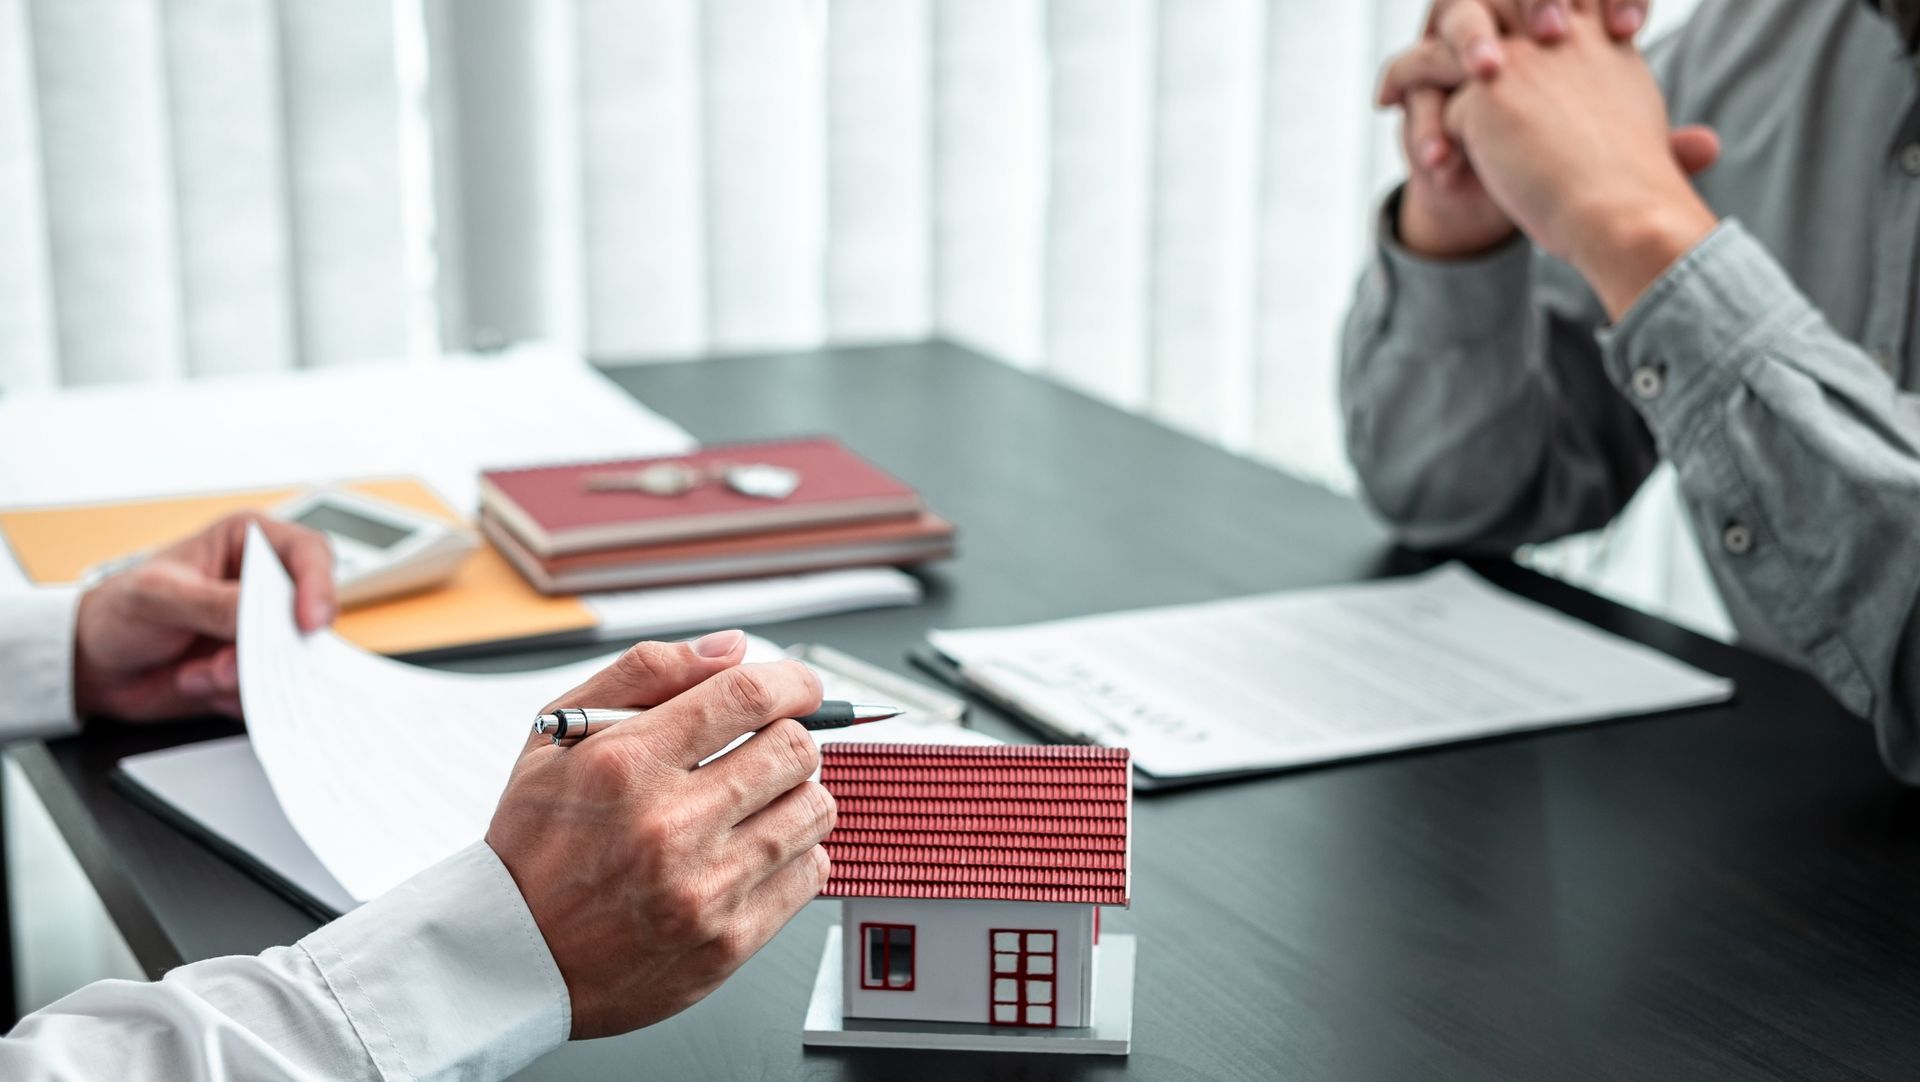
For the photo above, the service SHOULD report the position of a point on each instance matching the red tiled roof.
(999, 823)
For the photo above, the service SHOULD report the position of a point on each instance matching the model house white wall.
(953, 957)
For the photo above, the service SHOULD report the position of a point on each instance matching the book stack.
(739, 511)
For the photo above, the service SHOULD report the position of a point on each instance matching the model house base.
(1110, 1035)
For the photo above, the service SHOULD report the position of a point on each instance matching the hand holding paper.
(651, 878)
(156, 640)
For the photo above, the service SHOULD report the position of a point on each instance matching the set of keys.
(759, 480)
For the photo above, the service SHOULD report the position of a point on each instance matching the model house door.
(1023, 976)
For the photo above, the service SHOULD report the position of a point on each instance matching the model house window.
(1023, 977)
(889, 951)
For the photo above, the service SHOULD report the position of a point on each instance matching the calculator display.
(329, 518)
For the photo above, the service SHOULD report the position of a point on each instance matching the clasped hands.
(1541, 116)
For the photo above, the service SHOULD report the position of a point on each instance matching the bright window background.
(1161, 202)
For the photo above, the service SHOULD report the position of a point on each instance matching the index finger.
(1625, 18)
(1505, 13)
(1546, 20)
(692, 726)
(1429, 65)
(1473, 34)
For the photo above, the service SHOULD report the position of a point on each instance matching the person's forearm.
(283, 1025)
(36, 662)
(1622, 250)
(446, 977)
(1800, 460)
(1418, 444)
(1476, 413)
(1430, 229)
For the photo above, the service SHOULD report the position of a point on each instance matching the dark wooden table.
(1728, 893)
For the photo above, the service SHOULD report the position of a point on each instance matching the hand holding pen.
(652, 877)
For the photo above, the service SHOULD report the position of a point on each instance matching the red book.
(916, 539)
(554, 510)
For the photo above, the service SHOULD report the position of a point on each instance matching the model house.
(973, 878)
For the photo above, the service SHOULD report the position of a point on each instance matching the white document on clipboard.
(1309, 677)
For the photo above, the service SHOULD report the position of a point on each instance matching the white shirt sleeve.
(445, 977)
(36, 662)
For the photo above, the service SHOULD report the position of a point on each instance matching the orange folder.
(486, 602)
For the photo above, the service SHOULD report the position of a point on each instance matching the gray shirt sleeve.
(1478, 415)
(1485, 409)
(1800, 461)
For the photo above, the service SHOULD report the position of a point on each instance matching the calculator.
(380, 549)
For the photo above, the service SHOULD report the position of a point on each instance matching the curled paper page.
(383, 768)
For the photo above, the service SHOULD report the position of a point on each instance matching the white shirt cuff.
(447, 975)
(36, 662)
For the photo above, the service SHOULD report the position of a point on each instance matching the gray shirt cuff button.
(1737, 538)
(1910, 159)
(1649, 382)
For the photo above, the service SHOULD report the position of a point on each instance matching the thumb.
(652, 672)
(1696, 147)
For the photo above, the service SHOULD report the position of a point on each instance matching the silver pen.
(572, 724)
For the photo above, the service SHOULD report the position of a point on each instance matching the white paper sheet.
(1314, 676)
(638, 614)
(384, 768)
(442, 421)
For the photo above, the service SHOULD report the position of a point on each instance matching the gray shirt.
(1489, 406)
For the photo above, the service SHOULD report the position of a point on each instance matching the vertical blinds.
(191, 187)
(1158, 201)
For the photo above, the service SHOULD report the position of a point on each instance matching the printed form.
(1314, 676)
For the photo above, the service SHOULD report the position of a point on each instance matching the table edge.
(133, 919)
